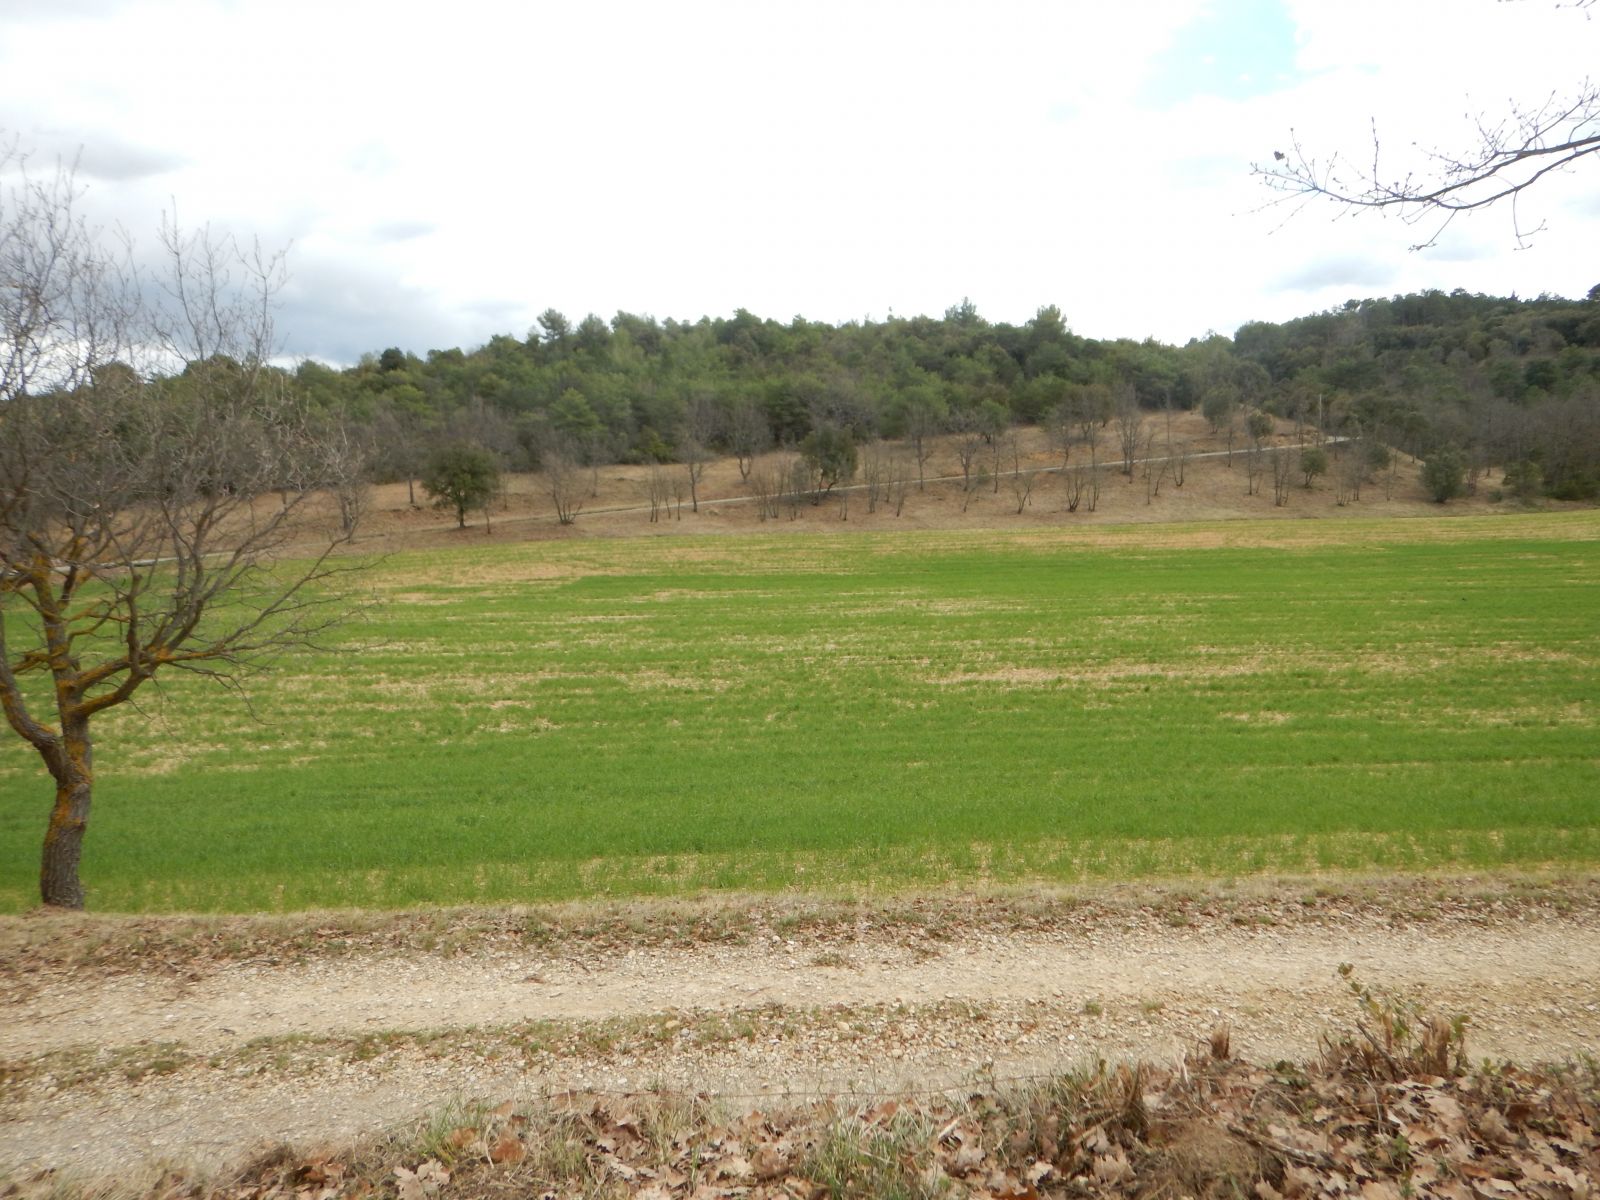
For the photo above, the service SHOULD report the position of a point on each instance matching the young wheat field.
(855, 712)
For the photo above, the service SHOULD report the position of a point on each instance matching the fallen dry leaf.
(509, 1149)
(966, 1160)
(421, 1183)
(770, 1162)
(1112, 1168)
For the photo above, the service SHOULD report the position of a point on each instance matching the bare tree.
(1128, 421)
(1350, 468)
(898, 476)
(564, 481)
(1089, 432)
(1155, 470)
(1259, 426)
(924, 418)
(1177, 452)
(1059, 424)
(349, 455)
(799, 485)
(1383, 456)
(1022, 484)
(399, 448)
(1094, 404)
(657, 490)
(874, 465)
(1083, 483)
(765, 485)
(694, 443)
(1505, 155)
(136, 536)
(1282, 475)
(748, 434)
(1074, 486)
(969, 442)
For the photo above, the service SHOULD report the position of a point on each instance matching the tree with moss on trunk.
(143, 432)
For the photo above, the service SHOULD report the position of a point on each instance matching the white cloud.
(445, 174)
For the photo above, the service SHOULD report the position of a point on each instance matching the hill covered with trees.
(1492, 383)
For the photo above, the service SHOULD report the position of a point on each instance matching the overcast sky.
(445, 172)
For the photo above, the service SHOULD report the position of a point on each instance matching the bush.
(1524, 479)
(830, 452)
(1313, 462)
(1444, 475)
(461, 477)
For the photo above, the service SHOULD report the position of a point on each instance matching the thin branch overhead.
(1508, 156)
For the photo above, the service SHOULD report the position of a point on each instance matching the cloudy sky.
(445, 172)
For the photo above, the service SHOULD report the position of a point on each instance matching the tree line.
(1498, 383)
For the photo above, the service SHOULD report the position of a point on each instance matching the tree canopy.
(1504, 379)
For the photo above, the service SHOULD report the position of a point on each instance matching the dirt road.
(116, 1065)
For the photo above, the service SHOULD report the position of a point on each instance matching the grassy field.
(860, 712)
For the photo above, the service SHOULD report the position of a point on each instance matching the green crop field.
(853, 712)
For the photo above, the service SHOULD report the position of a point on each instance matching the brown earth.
(140, 1041)
(616, 503)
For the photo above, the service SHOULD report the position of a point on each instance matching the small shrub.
(1444, 475)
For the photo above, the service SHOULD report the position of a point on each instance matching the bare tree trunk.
(73, 769)
(1282, 473)
(694, 467)
(143, 511)
(872, 472)
(898, 477)
(1128, 419)
(922, 453)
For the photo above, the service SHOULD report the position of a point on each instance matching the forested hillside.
(1487, 383)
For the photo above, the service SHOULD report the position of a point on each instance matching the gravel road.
(112, 1070)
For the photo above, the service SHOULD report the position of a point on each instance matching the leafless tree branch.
(156, 473)
(1508, 156)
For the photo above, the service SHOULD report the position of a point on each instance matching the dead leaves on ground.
(1208, 1127)
(1358, 1124)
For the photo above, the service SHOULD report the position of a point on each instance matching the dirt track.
(112, 1068)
